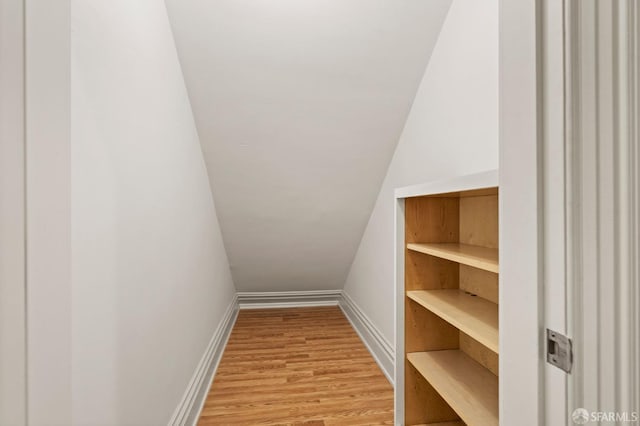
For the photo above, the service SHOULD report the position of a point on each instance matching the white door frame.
(521, 293)
(590, 160)
(555, 191)
(12, 216)
(35, 213)
(603, 221)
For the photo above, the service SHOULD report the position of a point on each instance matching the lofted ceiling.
(299, 105)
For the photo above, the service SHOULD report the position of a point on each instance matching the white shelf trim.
(482, 180)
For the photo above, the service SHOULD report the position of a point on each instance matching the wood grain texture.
(469, 388)
(424, 405)
(472, 315)
(476, 256)
(426, 331)
(479, 221)
(479, 353)
(432, 220)
(477, 281)
(297, 366)
(451, 307)
(429, 272)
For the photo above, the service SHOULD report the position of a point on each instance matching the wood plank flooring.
(299, 366)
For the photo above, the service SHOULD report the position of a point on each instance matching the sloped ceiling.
(299, 105)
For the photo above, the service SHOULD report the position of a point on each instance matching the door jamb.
(13, 390)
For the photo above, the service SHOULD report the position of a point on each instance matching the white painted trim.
(521, 378)
(553, 182)
(487, 179)
(398, 304)
(13, 401)
(379, 347)
(192, 402)
(288, 299)
(634, 228)
(603, 212)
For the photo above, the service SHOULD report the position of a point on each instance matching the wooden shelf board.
(476, 256)
(472, 315)
(470, 389)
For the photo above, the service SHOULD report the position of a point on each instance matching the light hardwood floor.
(299, 366)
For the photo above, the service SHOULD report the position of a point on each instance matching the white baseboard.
(381, 350)
(190, 406)
(288, 299)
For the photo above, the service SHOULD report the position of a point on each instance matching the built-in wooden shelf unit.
(451, 306)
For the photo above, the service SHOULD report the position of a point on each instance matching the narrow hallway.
(298, 366)
(319, 212)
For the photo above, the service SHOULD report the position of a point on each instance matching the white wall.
(150, 274)
(299, 105)
(452, 129)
